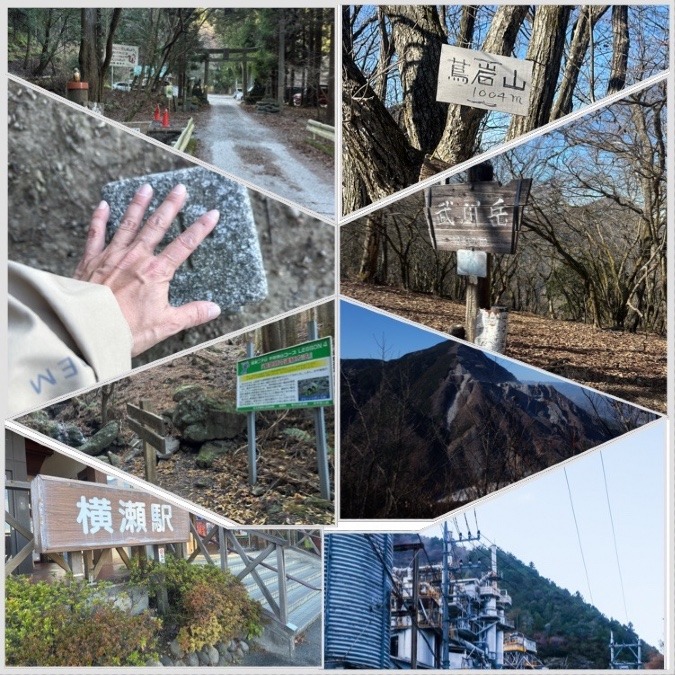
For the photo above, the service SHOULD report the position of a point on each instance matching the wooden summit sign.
(482, 80)
(484, 216)
(71, 515)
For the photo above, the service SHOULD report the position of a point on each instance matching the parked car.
(238, 94)
(122, 86)
(323, 97)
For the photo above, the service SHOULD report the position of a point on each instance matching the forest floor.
(287, 491)
(630, 366)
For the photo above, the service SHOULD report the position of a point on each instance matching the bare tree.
(394, 130)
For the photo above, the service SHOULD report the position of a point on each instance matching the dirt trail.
(236, 143)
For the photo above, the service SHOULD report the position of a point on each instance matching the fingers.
(187, 316)
(95, 237)
(178, 251)
(159, 222)
(133, 217)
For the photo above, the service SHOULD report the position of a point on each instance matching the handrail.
(184, 138)
(324, 130)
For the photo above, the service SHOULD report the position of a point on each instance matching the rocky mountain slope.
(436, 428)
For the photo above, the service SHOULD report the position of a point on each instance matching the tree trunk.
(621, 44)
(417, 37)
(330, 94)
(375, 147)
(89, 50)
(462, 123)
(546, 51)
(588, 17)
(371, 248)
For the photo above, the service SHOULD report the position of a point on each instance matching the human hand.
(138, 278)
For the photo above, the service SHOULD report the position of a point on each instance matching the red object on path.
(165, 118)
(156, 116)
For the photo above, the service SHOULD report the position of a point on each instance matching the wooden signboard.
(482, 80)
(71, 515)
(147, 426)
(484, 216)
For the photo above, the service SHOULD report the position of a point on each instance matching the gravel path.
(248, 150)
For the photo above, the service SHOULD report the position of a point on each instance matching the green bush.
(71, 623)
(206, 604)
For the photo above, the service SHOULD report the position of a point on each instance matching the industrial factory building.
(379, 616)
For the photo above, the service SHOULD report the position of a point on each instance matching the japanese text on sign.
(96, 513)
(297, 377)
(124, 56)
(481, 80)
(70, 515)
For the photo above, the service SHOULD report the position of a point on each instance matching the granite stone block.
(227, 268)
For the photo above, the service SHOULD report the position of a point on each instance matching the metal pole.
(252, 466)
(446, 593)
(415, 602)
(320, 427)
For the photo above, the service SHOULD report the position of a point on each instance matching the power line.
(581, 548)
(616, 549)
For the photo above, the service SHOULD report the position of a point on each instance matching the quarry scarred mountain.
(434, 429)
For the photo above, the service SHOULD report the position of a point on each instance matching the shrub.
(206, 604)
(70, 623)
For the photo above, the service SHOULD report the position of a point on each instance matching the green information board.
(297, 377)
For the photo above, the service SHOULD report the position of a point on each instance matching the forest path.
(236, 143)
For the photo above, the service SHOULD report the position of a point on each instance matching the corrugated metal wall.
(356, 611)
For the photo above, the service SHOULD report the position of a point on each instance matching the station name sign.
(72, 515)
(483, 80)
(296, 377)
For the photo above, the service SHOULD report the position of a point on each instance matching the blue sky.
(534, 521)
(362, 330)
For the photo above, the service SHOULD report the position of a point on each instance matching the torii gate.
(227, 54)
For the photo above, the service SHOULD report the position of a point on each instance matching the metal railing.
(271, 557)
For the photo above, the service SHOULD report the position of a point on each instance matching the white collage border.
(351, 526)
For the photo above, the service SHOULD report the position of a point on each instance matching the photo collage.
(338, 337)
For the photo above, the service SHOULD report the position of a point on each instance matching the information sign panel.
(296, 377)
(124, 56)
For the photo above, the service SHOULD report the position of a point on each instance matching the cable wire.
(616, 549)
(581, 548)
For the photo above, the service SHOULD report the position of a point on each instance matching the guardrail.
(183, 140)
(324, 130)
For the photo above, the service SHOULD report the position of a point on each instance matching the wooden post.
(149, 453)
(477, 298)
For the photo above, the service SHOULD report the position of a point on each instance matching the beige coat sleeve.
(63, 335)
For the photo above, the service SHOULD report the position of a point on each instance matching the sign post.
(151, 429)
(70, 515)
(476, 219)
(296, 377)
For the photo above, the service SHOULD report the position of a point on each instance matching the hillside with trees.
(45, 45)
